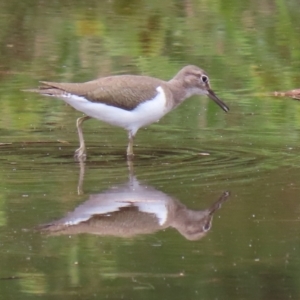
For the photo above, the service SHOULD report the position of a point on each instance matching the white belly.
(144, 114)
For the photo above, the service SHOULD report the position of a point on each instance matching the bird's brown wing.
(125, 91)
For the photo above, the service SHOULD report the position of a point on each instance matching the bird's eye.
(204, 78)
(207, 226)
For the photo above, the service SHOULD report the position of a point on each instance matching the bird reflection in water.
(133, 209)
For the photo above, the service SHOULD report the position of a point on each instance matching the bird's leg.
(130, 170)
(81, 177)
(80, 153)
(130, 146)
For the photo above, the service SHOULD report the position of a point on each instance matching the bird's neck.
(178, 90)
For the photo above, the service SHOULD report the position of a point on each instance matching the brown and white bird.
(129, 101)
(132, 209)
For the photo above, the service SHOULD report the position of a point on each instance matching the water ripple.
(219, 162)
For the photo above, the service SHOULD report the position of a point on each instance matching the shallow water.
(144, 248)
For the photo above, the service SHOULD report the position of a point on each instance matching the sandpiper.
(129, 101)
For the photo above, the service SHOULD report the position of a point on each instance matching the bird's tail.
(46, 91)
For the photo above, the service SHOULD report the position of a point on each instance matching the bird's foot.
(130, 156)
(80, 154)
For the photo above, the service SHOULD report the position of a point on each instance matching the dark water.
(146, 232)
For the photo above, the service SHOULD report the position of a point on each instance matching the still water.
(209, 208)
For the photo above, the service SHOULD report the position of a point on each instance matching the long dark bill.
(213, 96)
